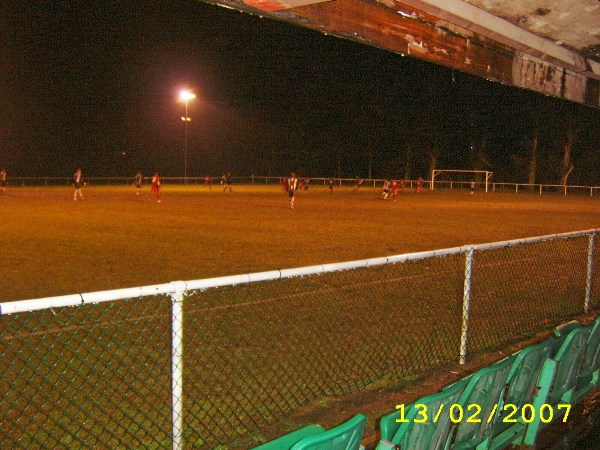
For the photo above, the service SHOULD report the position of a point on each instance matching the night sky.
(95, 84)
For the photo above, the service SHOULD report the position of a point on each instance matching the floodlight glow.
(186, 95)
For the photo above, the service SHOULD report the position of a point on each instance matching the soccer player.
(386, 189)
(155, 187)
(2, 181)
(330, 186)
(292, 186)
(139, 179)
(419, 185)
(395, 187)
(472, 187)
(208, 182)
(358, 183)
(78, 182)
(227, 183)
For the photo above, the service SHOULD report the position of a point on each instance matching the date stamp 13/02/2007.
(473, 413)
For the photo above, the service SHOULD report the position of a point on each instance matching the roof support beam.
(460, 43)
(474, 19)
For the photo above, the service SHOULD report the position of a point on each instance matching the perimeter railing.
(215, 362)
(338, 182)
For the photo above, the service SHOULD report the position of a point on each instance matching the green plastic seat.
(569, 356)
(486, 389)
(523, 384)
(427, 435)
(589, 373)
(565, 328)
(288, 440)
(557, 381)
(561, 332)
(346, 436)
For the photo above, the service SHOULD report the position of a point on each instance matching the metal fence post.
(177, 363)
(464, 334)
(590, 274)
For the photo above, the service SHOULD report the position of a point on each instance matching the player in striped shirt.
(139, 179)
(386, 189)
(292, 187)
(78, 183)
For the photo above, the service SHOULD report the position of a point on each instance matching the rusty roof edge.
(482, 22)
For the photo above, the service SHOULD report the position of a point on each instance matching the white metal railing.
(367, 182)
(540, 188)
(178, 290)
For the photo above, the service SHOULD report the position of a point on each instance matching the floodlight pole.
(186, 119)
(186, 96)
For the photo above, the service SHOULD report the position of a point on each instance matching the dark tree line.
(272, 98)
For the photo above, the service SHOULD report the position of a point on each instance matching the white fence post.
(590, 274)
(464, 334)
(177, 364)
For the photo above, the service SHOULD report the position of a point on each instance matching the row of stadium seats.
(506, 403)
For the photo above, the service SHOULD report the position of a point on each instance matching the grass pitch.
(52, 245)
(99, 375)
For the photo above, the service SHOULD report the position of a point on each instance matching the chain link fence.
(90, 376)
(258, 352)
(213, 363)
(522, 288)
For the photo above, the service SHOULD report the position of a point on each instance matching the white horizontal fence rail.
(201, 180)
(545, 188)
(485, 274)
(18, 306)
(320, 181)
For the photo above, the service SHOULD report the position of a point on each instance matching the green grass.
(52, 245)
(99, 375)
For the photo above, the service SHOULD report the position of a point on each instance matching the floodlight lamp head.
(186, 95)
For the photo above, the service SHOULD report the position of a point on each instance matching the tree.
(533, 156)
(572, 130)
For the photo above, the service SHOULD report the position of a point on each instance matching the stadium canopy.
(548, 46)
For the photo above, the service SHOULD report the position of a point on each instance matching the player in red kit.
(155, 186)
(419, 185)
(395, 187)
